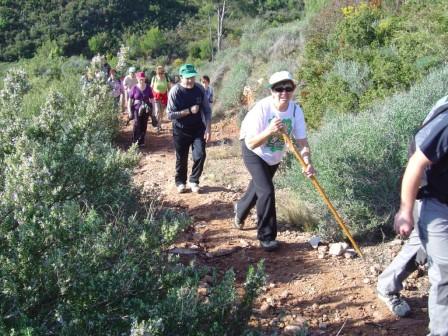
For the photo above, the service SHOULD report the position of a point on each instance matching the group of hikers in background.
(423, 213)
(142, 97)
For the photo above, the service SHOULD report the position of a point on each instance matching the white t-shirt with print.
(258, 119)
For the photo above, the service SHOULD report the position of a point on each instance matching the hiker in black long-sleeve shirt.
(189, 109)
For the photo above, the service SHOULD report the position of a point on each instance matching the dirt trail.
(335, 296)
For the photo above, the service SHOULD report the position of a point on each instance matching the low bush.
(360, 159)
(232, 86)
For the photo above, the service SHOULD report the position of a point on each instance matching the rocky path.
(331, 295)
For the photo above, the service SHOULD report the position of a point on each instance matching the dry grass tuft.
(293, 212)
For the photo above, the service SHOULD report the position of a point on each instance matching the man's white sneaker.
(269, 245)
(194, 187)
(181, 188)
(396, 305)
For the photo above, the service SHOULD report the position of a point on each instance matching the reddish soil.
(334, 296)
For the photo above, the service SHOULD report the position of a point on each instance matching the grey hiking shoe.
(396, 305)
(269, 245)
(237, 223)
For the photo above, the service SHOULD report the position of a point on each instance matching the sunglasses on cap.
(283, 89)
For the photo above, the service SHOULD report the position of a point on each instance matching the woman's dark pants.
(183, 140)
(259, 193)
(140, 126)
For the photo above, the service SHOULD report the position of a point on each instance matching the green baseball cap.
(187, 71)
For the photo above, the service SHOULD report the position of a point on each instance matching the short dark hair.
(207, 78)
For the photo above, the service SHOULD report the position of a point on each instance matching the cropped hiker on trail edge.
(128, 83)
(428, 202)
(115, 86)
(190, 112)
(263, 148)
(205, 80)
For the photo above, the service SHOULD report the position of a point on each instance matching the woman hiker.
(140, 107)
(160, 86)
(263, 148)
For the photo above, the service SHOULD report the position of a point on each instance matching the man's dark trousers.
(185, 138)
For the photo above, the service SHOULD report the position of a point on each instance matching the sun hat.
(140, 75)
(187, 71)
(281, 76)
(131, 70)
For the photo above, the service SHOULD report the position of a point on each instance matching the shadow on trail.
(215, 210)
(154, 143)
(208, 190)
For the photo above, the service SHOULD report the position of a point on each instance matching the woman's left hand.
(309, 170)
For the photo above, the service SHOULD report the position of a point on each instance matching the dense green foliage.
(80, 251)
(92, 26)
(26, 25)
(357, 54)
(360, 159)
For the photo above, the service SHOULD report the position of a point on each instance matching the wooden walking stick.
(327, 201)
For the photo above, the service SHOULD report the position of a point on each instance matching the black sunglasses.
(283, 88)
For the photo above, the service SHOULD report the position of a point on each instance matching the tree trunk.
(210, 36)
(221, 14)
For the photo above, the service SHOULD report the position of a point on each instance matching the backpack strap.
(411, 144)
(441, 109)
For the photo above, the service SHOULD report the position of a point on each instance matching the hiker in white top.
(263, 148)
(128, 83)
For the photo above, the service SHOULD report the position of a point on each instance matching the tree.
(220, 26)
(152, 41)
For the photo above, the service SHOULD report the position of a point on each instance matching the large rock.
(314, 241)
(337, 249)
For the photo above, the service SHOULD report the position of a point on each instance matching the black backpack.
(437, 112)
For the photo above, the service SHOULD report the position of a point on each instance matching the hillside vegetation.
(166, 29)
(353, 60)
(82, 251)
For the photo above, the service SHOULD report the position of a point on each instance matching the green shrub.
(356, 75)
(313, 6)
(232, 87)
(223, 313)
(360, 159)
(389, 45)
(152, 42)
(359, 28)
(102, 43)
(200, 50)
